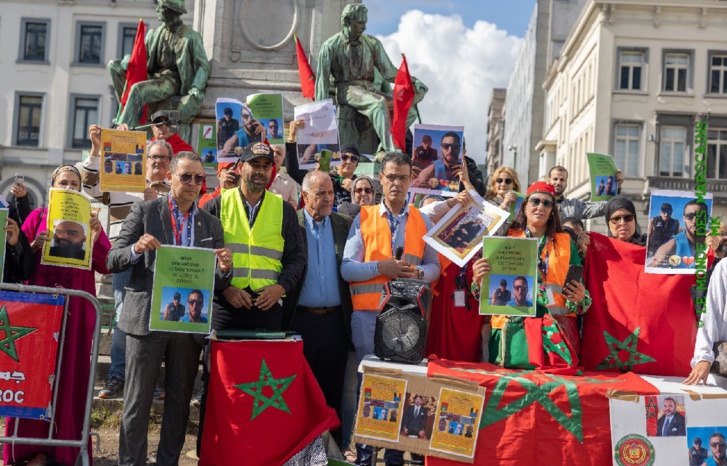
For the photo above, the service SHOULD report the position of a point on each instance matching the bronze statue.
(177, 66)
(354, 63)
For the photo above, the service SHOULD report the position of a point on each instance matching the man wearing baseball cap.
(226, 127)
(162, 130)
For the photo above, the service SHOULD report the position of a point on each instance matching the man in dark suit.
(672, 423)
(415, 418)
(173, 220)
(319, 308)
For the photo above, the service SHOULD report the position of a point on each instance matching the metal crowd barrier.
(82, 443)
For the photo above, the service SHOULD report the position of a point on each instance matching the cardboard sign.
(123, 161)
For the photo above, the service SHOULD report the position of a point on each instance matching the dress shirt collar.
(383, 210)
(310, 221)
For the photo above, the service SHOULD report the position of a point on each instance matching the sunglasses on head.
(503, 180)
(626, 218)
(536, 201)
(363, 190)
(451, 146)
(186, 178)
(347, 157)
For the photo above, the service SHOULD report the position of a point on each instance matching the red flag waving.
(403, 97)
(638, 321)
(541, 419)
(307, 78)
(264, 404)
(136, 70)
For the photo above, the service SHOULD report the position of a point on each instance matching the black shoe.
(114, 388)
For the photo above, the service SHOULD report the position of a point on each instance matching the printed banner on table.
(3, 236)
(123, 161)
(207, 144)
(603, 177)
(320, 133)
(268, 109)
(237, 126)
(29, 328)
(264, 403)
(437, 159)
(184, 281)
(380, 407)
(458, 234)
(458, 420)
(515, 206)
(677, 427)
(68, 225)
(675, 220)
(511, 286)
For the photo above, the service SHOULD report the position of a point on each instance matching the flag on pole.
(403, 98)
(307, 78)
(136, 70)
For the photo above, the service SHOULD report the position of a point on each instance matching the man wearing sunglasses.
(445, 169)
(344, 175)
(718, 446)
(170, 220)
(195, 306)
(520, 293)
(682, 245)
(162, 130)
(575, 208)
(662, 228)
(251, 131)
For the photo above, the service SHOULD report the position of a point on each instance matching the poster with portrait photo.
(665, 416)
(419, 412)
(123, 161)
(68, 224)
(268, 109)
(458, 234)
(184, 280)
(708, 444)
(237, 126)
(602, 169)
(458, 418)
(207, 143)
(380, 401)
(320, 132)
(3, 238)
(513, 261)
(436, 175)
(675, 220)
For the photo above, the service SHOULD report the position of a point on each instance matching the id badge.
(459, 298)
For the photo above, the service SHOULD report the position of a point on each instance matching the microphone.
(399, 252)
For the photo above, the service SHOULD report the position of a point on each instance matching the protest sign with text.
(511, 286)
(320, 133)
(268, 109)
(69, 230)
(123, 161)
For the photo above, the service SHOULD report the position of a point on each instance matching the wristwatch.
(420, 273)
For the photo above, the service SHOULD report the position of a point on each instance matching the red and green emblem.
(634, 450)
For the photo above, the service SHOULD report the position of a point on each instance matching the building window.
(717, 154)
(718, 74)
(84, 113)
(631, 64)
(676, 71)
(89, 43)
(127, 34)
(34, 40)
(626, 148)
(672, 151)
(28, 114)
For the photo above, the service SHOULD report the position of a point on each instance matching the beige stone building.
(631, 80)
(495, 129)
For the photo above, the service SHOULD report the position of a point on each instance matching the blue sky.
(510, 15)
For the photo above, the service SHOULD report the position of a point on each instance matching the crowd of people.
(307, 251)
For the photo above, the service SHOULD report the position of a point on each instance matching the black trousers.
(325, 347)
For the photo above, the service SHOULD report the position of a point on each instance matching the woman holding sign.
(557, 302)
(80, 323)
(503, 186)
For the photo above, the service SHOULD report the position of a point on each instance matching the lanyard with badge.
(177, 227)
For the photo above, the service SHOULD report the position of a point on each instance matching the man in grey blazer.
(170, 220)
(320, 307)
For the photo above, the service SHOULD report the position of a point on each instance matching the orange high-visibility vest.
(558, 251)
(376, 235)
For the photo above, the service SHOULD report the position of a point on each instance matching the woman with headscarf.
(80, 322)
(538, 218)
(622, 224)
(363, 192)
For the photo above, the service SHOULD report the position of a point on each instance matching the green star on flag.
(629, 345)
(7, 344)
(262, 402)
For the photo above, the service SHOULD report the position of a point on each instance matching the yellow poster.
(457, 421)
(68, 224)
(380, 407)
(123, 161)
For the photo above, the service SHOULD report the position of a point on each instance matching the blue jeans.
(118, 340)
(363, 325)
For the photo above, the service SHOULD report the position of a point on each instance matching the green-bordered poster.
(511, 286)
(603, 177)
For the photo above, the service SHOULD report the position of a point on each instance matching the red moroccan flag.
(307, 78)
(264, 404)
(536, 418)
(136, 71)
(403, 97)
(638, 321)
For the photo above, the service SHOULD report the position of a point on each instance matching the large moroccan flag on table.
(640, 322)
(29, 329)
(532, 418)
(263, 405)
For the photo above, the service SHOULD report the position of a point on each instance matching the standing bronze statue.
(352, 61)
(177, 66)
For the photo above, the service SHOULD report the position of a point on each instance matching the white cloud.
(459, 65)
